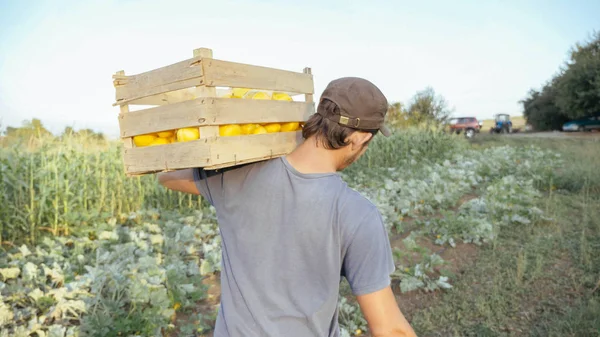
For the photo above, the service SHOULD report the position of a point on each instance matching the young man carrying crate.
(291, 228)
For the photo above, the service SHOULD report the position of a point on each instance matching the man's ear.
(359, 138)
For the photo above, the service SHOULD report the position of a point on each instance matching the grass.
(581, 155)
(539, 280)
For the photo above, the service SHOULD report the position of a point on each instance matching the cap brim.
(385, 131)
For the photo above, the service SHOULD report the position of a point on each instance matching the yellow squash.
(239, 92)
(247, 129)
(280, 96)
(159, 141)
(144, 140)
(166, 134)
(188, 134)
(230, 130)
(273, 127)
(259, 95)
(259, 130)
(290, 126)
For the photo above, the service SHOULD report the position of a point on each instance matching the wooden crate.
(184, 94)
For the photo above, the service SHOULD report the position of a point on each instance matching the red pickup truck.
(469, 125)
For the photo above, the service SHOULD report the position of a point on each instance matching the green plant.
(60, 186)
(135, 276)
(350, 317)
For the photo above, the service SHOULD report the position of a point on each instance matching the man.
(291, 228)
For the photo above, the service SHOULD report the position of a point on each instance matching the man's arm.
(383, 315)
(185, 180)
(180, 180)
(368, 264)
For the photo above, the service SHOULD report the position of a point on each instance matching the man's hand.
(383, 315)
(180, 180)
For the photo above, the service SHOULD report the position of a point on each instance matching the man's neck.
(309, 158)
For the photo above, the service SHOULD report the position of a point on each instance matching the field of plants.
(87, 251)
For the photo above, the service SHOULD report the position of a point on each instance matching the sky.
(57, 57)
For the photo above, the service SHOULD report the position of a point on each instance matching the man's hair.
(329, 133)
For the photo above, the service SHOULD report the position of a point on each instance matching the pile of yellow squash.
(189, 134)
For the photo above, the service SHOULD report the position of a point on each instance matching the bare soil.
(594, 135)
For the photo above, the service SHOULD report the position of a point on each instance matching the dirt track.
(560, 135)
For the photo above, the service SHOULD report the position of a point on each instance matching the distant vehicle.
(469, 125)
(583, 124)
(502, 124)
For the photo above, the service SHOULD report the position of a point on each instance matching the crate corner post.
(123, 109)
(308, 98)
(209, 131)
(203, 53)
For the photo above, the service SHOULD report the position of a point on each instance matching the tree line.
(35, 128)
(572, 93)
(425, 107)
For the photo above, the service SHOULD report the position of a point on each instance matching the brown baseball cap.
(361, 104)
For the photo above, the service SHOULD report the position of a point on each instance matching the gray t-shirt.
(287, 239)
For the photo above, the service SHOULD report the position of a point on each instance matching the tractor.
(502, 124)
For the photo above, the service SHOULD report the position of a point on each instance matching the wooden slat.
(230, 151)
(231, 74)
(176, 76)
(165, 98)
(140, 160)
(210, 153)
(212, 111)
(240, 162)
(161, 89)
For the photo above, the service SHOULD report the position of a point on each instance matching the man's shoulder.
(355, 207)
(355, 199)
(359, 217)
